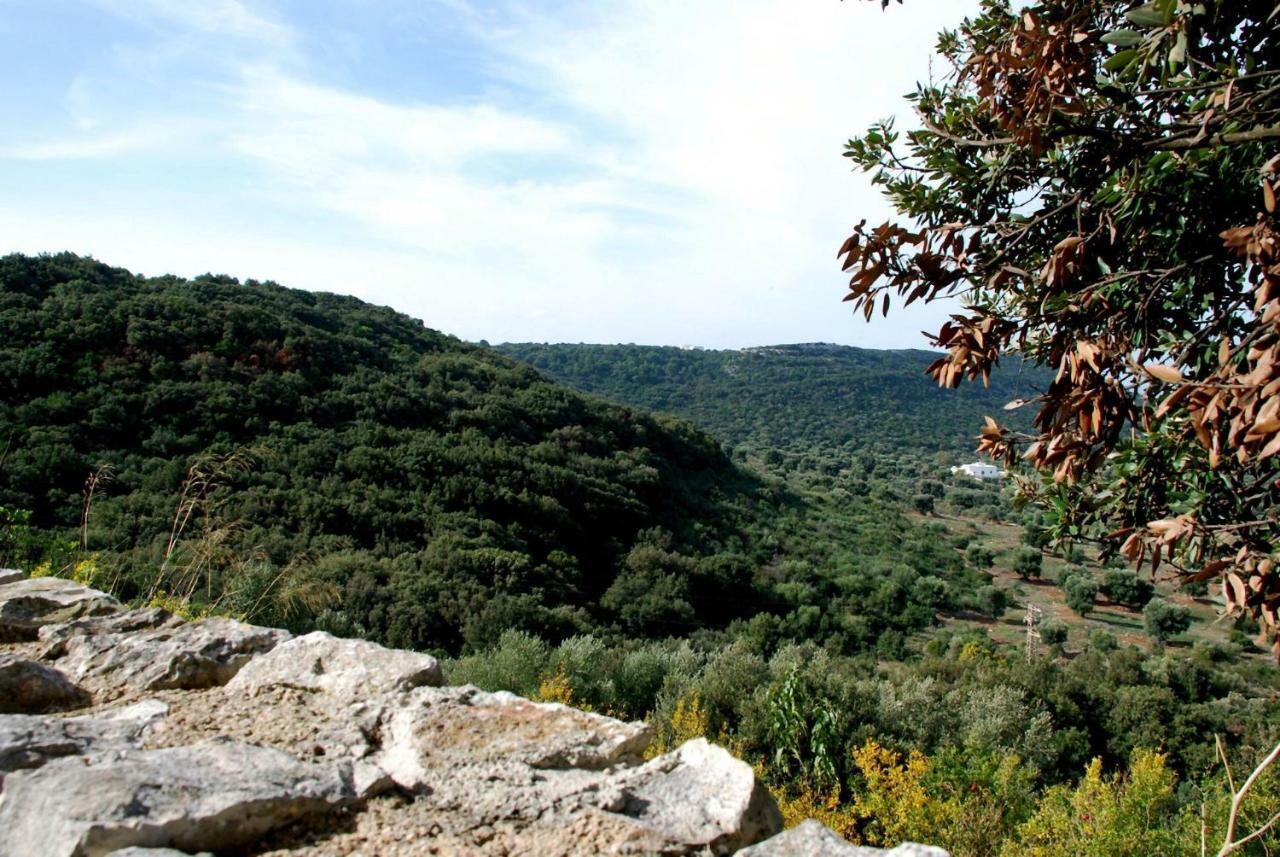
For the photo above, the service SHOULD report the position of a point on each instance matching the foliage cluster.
(1095, 182)
(1111, 752)
(799, 399)
(308, 460)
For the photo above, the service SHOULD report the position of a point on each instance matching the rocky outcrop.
(133, 851)
(27, 604)
(214, 735)
(347, 668)
(214, 795)
(193, 655)
(27, 687)
(55, 637)
(731, 808)
(29, 742)
(813, 839)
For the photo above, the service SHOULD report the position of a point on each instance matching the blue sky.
(607, 171)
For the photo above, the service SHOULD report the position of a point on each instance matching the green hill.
(311, 460)
(790, 397)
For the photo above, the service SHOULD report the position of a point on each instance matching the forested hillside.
(792, 397)
(309, 459)
(313, 461)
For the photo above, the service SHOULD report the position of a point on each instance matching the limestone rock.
(431, 734)
(55, 637)
(191, 655)
(9, 575)
(814, 839)
(27, 687)
(28, 603)
(211, 796)
(29, 741)
(699, 796)
(347, 668)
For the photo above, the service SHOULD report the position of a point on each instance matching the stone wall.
(132, 732)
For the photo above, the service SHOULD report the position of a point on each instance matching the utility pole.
(1032, 621)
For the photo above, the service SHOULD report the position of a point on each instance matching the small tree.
(1028, 563)
(1164, 621)
(923, 503)
(1124, 587)
(1034, 535)
(991, 601)
(979, 557)
(1053, 634)
(1080, 590)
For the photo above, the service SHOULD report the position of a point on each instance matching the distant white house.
(979, 470)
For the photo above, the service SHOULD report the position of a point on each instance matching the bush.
(1080, 590)
(1034, 535)
(517, 664)
(1053, 634)
(1116, 815)
(1103, 641)
(980, 557)
(1028, 563)
(1164, 621)
(991, 601)
(1124, 587)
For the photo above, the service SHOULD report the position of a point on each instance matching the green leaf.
(1120, 59)
(1123, 38)
(1146, 15)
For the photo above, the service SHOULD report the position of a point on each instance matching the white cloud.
(210, 18)
(653, 171)
(90, 146)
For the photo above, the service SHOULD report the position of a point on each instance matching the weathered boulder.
(430, 734)
(29, 603)
(27, 687)
(699, 796)
(9, 575)
(215, 795)
(155, 852)
(207, 653)
(55, 637)
(814, 839)
(29, 741)
(347, 668)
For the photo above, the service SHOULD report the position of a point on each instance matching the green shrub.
(1053, 634)
(1164, 620)
(1080, 590)
(1124, 587)
(1028, 563)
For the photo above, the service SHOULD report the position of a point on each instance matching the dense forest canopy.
(790, 397)
(310, 459)
(1096, 181)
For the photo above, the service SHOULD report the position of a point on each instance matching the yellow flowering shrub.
(555, 687)
(180, 607)
(896, 801)
(1123, 815)
(83, 571)
(689, 720)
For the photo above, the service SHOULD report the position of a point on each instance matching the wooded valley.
(808, 587)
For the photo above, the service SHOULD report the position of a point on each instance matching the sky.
(648, 171)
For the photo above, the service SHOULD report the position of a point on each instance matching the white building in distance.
(979, 470)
